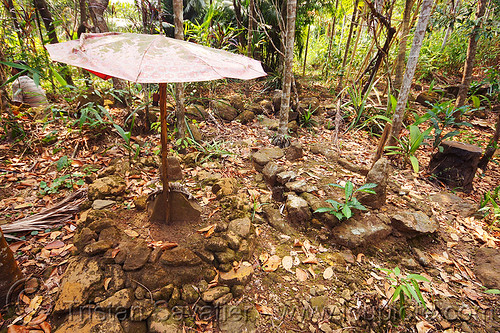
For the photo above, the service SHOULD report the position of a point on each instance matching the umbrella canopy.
(153, 58)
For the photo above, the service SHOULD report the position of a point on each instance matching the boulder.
(427, 98)
(226, 257)
(137, 255)
(98, 247)
(245, 117)
(360, 230)
(174, 170)
(120, 300)
(277, 221)
(277, 100)
(266, 155)
(325, 150)
(286, 176)
(315, 203)
(414, 223)
(130, 326)
(196, 112)
(456, 164)
(378, 174)
(271, 124)
(216, 244)
(294, 151)
(240, 227)
(107, 187)
(237, 102)
(255, 108)
(189, 294)
(141, 309)
(271, 171)
(300, 186)
(487, 266)
(224, 110)
(213, 293)
(452, 202)
(224, 187)
(298, 210)
(240, 276)
(82, 277)
(195, 132)
(266, 106)
(238, 319)
(179, 256)
(102, 204)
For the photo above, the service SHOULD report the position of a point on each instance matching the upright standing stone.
(456, 164)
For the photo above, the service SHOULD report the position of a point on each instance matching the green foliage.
(209, 150)
(90, 116)
(408, 146)
(66, 181)
(344, 210)
(306, 118)
(442, 117)
(490, 205)
(405, 287)
(63, 163)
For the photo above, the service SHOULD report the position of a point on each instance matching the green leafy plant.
(408, 146)
(344, 210)
(90, 116)
(306, 118)
(442, 117)
(127, 136)
(63, 163)
(66, 181)
(406, 287)
(490, 205)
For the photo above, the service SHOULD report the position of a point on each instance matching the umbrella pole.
(164, 149)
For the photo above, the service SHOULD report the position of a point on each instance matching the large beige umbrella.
(153, 59)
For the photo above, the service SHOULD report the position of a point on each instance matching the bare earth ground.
(305, 298)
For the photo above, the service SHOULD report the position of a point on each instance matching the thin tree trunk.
(305, 54)
(355, 47)
(332, 38)
(469, 62)
(282, 140)
(400, 60)
(453, 11)
(43, 9)
(251, 10)
(411, 65)
(179, 87)
(239, 20)
(492, 147)
(349, 36)
(9, 272)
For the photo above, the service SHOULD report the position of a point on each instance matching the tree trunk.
(43, 9)
(179, 87)
(239, 21)
(471, 54)
(282, 140)
(400, 60)
(9, 6)
(332, 38)
(492, 147)
(397, 119)
(453, 11)
(82, 27)
(251, 10)
(9, 272)
(307, 46)
(349, 36)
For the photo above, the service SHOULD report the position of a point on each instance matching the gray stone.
(452, 202)
(141, 309)
(286, 176)
(179, 256)
(102, 204)
(233, 240)
(270, 172)
(300, 186)
(245, 117)
(325, 150)
(214, 293)
(82, 277)
(137, 256)
(358, 231)
(226, 257)
(216, 244)
(111, 186)
(298, 210)
(240, 276)
(240, 227)
(487, 266)
(294, 151)
(163, 321)
(224, 187)
(271, 124)
(208, 178)
(277, 221)
(378, 174)
(90, 322)
(224, 110)
(189, 293)
(97, 247)
(447, 309)
(414, 223)
(266, 155)
(120, 300)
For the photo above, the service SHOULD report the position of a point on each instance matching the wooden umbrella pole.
(164, 147)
